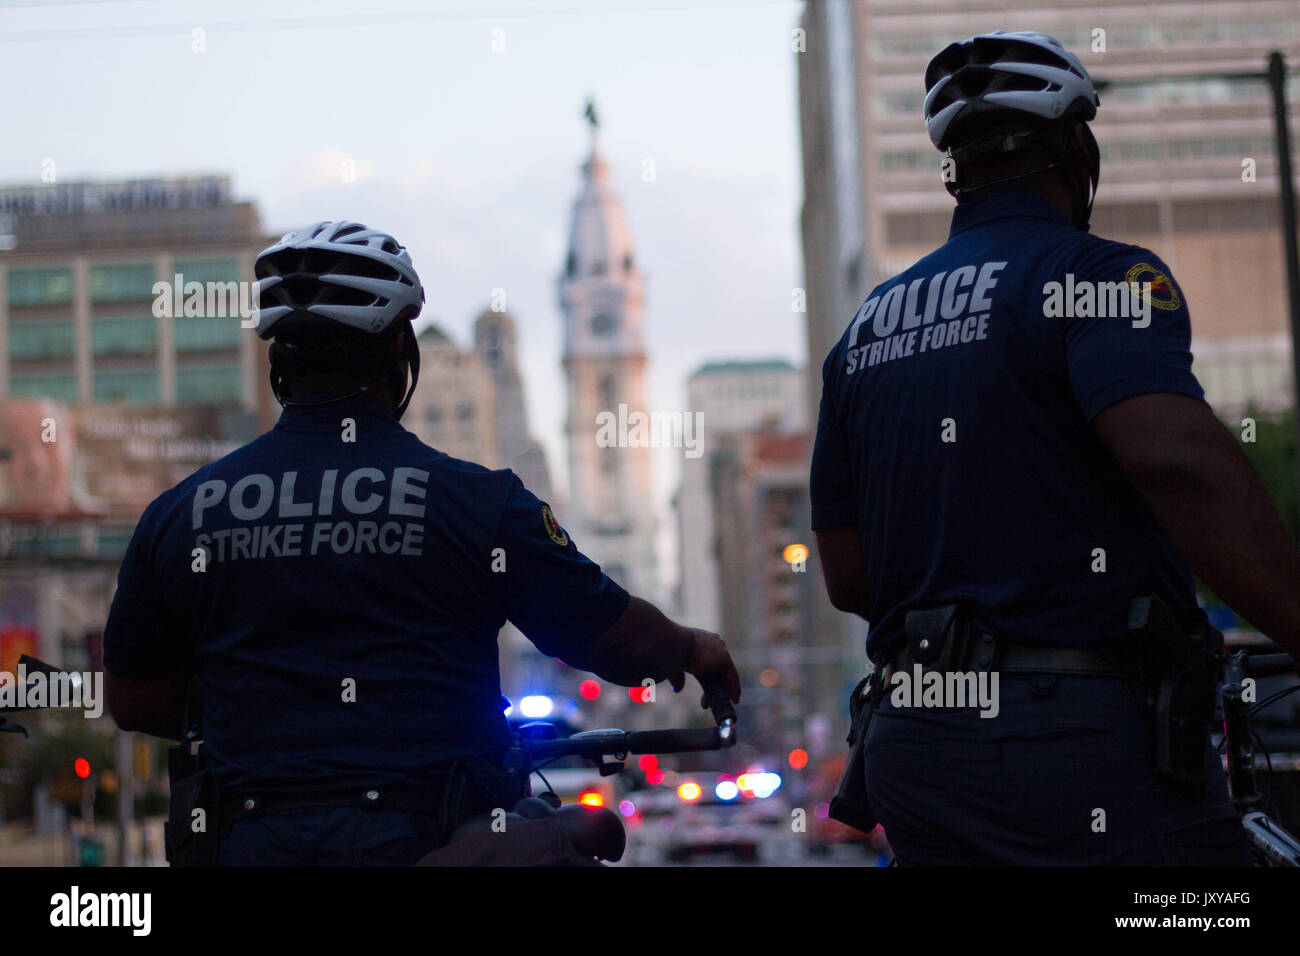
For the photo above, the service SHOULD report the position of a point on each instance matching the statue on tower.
(592, 119)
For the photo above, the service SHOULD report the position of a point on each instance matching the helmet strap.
(1085, 188)
(411, 350)
(999, 144)
(1088, 190)
(413, 363)
(963, 191)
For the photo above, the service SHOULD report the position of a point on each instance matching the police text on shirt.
(360, 492)
(903, 319)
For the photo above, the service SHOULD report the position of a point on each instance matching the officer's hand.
(709, 656)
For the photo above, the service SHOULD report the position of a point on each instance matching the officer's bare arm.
(840, 551)
(1203, 490)
(643, 643)
(148, 706)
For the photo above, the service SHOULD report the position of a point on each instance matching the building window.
(206, 270)
(60, 386)
(40, 286)
(123, 335)
(129, 282)
(209, 384)
(139, 387)
(603, 324)
(608, 392)
(201, 333)
(910, 161)
(41, 340)
(900, 103)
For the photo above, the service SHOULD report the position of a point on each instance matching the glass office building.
(81, 316)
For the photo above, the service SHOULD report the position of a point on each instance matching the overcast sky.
(468, 155)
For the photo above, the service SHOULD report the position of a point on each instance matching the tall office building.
(82, 317)
(601, 296)
(116, 380)
(796, 669)
(731, 398)
(1188, 167)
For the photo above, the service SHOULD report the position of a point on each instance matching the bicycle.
(592, 834)
(1271, 844)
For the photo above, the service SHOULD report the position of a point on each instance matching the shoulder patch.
(1163, 294)
(553, 529)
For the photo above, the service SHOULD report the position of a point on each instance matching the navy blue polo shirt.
(955, 428)
(341, 601)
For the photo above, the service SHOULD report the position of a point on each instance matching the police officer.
(337, 586)
(1011, 450)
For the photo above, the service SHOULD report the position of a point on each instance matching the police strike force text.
(253, 497)
(960, 299)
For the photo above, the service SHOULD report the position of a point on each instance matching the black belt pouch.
(191, 838)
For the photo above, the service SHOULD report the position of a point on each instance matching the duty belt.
(242, 805)
(993, 653)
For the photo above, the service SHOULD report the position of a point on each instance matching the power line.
(60, 3)
(353, 21)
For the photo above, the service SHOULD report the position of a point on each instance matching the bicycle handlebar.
(32, 665)
(595, 744)
(1268, 665)
(603, 743)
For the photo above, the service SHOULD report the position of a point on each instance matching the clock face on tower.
(603, 324)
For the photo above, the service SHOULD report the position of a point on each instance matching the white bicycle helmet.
(336, 273)
(995, 72)
(977, 90)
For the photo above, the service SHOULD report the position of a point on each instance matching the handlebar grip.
(1269, 665)
(673, 741)
(715, 696)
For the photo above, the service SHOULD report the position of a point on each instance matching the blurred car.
(709, 825)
